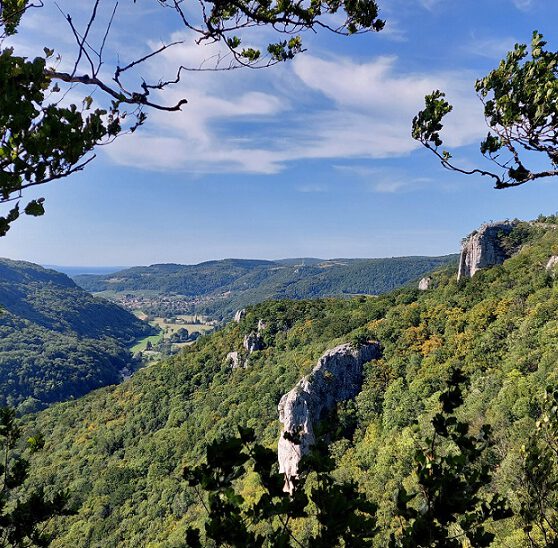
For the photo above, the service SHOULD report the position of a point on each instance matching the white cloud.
(332, 108)
(260, 121)
(389, 187)
(523, 5)
(430, 4)
(393, 30)
(394, 7)
(159, 153)
(390, 184)
(373, 105)
(312, 188)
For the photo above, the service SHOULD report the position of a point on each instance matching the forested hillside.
(56, 340)
(119, 451)
(218, 288)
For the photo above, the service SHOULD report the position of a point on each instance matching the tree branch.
(121, 97)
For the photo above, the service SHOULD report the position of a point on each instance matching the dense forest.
(218, 288)
(56, 340)
(120, 450)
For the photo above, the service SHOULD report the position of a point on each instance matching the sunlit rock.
(483, 248)
(337, 377)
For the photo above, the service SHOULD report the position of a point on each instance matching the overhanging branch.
(139, 99)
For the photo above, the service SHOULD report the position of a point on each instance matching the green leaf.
(35, 208)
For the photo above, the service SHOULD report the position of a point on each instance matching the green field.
(170, 328)
(166, 329)
(140, 346)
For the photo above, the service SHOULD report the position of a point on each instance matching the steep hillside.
(218, 288)
(120, 450)
(56, 340)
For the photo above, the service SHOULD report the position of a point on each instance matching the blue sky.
(311, 158)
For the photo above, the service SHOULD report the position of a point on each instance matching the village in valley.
(168, 314)
(175, 332)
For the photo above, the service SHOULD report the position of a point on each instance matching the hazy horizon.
(75, 269)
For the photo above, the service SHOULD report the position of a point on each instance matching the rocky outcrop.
(233, 359)
(552, 262)
(483, 248)
(239, 315)
(337, 377)
(253, 342)
(425, 283)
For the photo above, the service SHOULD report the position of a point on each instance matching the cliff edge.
(337, 377)
(483, 248)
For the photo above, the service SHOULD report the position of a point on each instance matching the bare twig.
(81, 44)
(121, 97)
(103, 43)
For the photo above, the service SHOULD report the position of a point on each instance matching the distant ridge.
(308, 261)
(218, 288)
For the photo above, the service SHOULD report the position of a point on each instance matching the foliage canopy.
(56, 340)
(23, 514)
(123, 449)
(520, 100)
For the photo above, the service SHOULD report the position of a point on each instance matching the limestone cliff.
(337, 377)
(425, 283)
(233, 359)
(239, 315)
(483, 248)
(253, 342)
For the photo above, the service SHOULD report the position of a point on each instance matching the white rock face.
(425, 283)
(337, 377)
(483, 249)
(233, 359)
(261, 326)
(552, 262)
(239, 314)
(253, 342)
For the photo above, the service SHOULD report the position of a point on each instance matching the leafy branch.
(520, 100)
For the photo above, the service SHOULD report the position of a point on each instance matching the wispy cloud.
(317, 107)
(372, 104)
(387, 180)
(391, 185)
(430, 4)
(393, 31)
(351, 110)
(523, 5)
(312, 188)
(490, 47)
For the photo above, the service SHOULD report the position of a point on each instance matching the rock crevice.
(253, 342)
(239, 315)
(337, 377)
